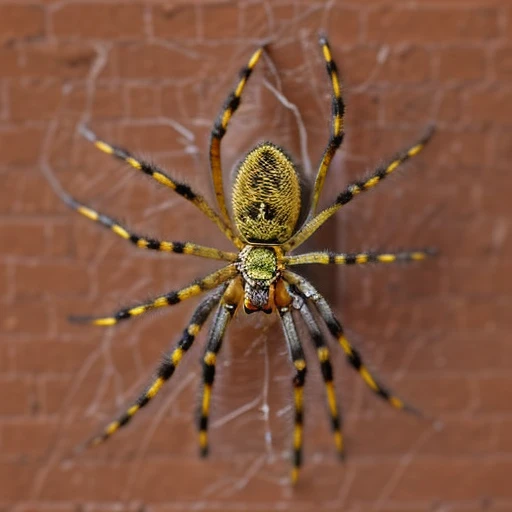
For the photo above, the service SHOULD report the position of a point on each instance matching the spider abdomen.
(266, 196)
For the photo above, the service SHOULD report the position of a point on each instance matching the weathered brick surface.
(21, 22)
(151, 76)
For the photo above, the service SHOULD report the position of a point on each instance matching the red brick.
(462, 64)
(22, 239)
(52, 392)
(16, 478)
(150, 484)
(431, 25)
(343, 26)
(64, 60)
(16, 396)
(405, 106)
(32, 194)
(21, 22)
(456, 479)
(358, 65)
(493, 395)
(144, 101)
(400, 433)
(55, 357)
(90, 386)
(40, 101)
(503, 441)
(455, 436)
(24, 317)
(20, 146)
(411, 64)
(491, 107)
(150, 139)
(101, 482)
(502, 151)
(435, 394)
(223, 25)
(59, 240)
(363, 107)
(66, 278)
(150, 61)
(99, 21)
(463, 353)
(27, 438)
(175, 21)
(451, 107)
(503, 64)
(108, 103)
(34, 101)
(367, 481)
(508, 27)
(5, 352)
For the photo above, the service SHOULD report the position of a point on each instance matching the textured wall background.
(151, 76)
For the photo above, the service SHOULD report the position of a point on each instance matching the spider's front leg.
(143, 242)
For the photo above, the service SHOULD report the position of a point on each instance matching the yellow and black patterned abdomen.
(266, 196)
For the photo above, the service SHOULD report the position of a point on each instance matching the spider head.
(259, 270)
(266, 196)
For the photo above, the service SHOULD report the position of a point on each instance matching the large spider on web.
(266, 206)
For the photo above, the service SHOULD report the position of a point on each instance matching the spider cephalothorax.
(266, 204)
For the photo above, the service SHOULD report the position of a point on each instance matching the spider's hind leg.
(353, 356)
(324, 359)
(229, 303)
(166, 368)
(299, 362)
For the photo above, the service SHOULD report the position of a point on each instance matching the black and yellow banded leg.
(353, 356)
(337, 133)
(322, 352)
(161, 177)
(231, 104)
(169, 299)
(299, 362)
(217, 331)
(356, 188)
(358, 258)
(166, 368)
(148, 243)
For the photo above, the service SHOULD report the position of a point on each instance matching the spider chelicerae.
(266, 205)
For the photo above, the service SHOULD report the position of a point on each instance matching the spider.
(266, 204)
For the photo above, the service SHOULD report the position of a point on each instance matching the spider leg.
(325, 365)
(159, 175)
(231, 104)
(336, 138)
(299, 362)
(167, 366)
(225, 312)
(358, 258)
(148, 243)
(356, 188)
(169, 299)
(353, 356)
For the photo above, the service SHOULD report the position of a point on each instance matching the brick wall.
(151, 76)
